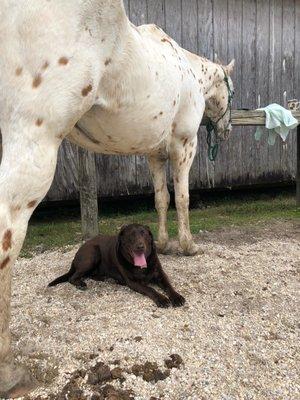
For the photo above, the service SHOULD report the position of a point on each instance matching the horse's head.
(218, 101)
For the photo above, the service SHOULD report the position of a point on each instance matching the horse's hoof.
(192, 250)
(15, 382)
(165, 249)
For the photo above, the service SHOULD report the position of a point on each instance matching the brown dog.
(129, 258)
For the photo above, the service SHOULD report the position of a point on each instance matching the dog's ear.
(123, 227)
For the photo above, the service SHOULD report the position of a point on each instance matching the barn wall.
(262, 36)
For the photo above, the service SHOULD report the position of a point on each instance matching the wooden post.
(88, 193)
(298, 168)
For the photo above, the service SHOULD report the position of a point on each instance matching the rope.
(212, 143)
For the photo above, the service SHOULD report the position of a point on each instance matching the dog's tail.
(63, 278)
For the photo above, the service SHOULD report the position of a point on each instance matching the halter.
(211, 125)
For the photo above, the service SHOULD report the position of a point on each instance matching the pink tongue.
(139, 260)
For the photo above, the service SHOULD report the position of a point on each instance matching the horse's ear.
(229, 67)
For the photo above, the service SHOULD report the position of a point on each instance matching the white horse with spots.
(131, 91)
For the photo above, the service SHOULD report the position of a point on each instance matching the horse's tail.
(63, 278)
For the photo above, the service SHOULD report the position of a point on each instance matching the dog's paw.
(163, 302)
(177, 300)
(81, 286)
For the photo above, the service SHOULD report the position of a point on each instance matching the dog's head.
(136, 244)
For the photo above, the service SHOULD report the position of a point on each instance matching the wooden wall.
(264, 38)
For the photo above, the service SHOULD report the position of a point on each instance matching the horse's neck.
(211, 76)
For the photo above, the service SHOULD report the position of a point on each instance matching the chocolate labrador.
(129, 258)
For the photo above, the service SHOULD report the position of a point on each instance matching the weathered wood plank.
(173, 19)
(156, 13)
(220, 21)
(262, 81)
(288, 53)
(296, 51)
(205, 48)
(87, 178)
(297, 90)
(248, 87)
(235, 24)
(298, 169)
(65, 182)
(275, 81)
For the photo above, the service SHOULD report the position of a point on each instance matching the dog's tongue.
(139, 260)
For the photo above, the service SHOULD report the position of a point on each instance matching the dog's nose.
(140, 246)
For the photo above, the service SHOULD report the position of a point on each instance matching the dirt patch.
(237, 337)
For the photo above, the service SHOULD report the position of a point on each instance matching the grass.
(59, 226)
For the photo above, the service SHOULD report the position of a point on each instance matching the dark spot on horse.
(6, 242)
(63, 61)
(39, 122)
(184, 160)
(155, 117)
(103, 40)
(107, 61)
(161, 113)
(60, 137)
(19, 71)
(185, 141)
(191, 154)
(209, 77)
(37, 81)
(177, 180)
(45, 65)
(31, 204)
(174, 126)
(85, 91)
(182, 195)
(14, 209)
(4, 263)
(174, 103)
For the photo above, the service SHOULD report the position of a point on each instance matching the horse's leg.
(182, 153)
(26, 172)
(157, 166)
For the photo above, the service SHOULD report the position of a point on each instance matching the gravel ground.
(237, 337)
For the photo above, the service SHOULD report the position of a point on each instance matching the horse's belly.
(125, 133)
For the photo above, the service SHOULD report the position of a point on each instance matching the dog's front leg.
(163, 281)
(159, 299)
